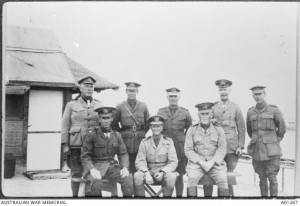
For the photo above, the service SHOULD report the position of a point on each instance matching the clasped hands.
(206, 166)
(158, 176)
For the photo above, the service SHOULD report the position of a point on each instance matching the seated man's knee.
(170, 178)
(138, 178)
(96, 187)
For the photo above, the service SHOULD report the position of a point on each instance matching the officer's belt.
(133, 128)
(156, 165)
(263, 132)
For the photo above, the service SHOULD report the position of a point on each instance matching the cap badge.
(105, 111)
(131, 84)
(156, 119)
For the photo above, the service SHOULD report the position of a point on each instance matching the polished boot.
(75, 188)
(264, 190)
(208, 190)
(192, 192)
(139, 191)
(223, 192)
(273, 189)
(179, 186)
(230, 190)
(167, 191)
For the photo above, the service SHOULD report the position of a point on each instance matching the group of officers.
(93, 134)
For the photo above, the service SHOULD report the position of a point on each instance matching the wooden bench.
(109, 186)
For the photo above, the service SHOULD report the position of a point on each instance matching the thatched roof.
(34, 57)
(80, 71)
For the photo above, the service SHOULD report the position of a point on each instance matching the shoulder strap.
(130, 113)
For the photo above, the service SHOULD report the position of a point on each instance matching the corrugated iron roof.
(80, 71)
(40, 69)
(34, 57)
(28, 39)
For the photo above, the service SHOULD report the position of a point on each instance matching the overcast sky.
(188, 45)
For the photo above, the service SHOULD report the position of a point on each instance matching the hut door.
(44, 125)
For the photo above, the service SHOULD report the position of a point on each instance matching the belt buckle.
(134, 128)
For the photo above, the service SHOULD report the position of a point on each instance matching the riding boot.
(208, 190)
(273, 189)
(223, 192)
(264, 190)
(192, 192)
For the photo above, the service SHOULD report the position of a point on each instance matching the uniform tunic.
(206, 145)
(266, 128)
(140, 112)
(154, 159)
(175, 126)
(98, 152)
(230, 118)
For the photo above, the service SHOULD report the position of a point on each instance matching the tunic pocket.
(268, 121)
(75, 138)
(100, 149)
(254, 123)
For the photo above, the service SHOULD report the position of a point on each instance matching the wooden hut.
(39, 80)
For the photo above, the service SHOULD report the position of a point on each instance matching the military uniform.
(229, 116)
(98, 152)
(266, 128)
(132, 133)
(78, 117)
(153, 159)
(175, 126)
(201, 145)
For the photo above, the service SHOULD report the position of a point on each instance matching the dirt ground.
(21, 186)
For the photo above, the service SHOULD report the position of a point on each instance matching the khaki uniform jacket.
(140, 112)
(98, 151)
(206, 146)
(78, 117)
(175, 127)
(154, 159)
(266, 129)
(231, 119)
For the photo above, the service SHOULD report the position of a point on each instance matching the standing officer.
(228, 115)
(156, 160)
(98, 152)
(266, 128)
(78, 117)
(177, 121)
(205, 148)
(132, 115)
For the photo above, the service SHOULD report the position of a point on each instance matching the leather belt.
(134, 128)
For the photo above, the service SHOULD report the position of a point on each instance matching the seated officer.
(97, 156)
(205, 148)
(156, 160)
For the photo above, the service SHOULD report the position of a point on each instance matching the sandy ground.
(21, 186)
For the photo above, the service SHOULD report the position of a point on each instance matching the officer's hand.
(239, 151)
(210, 164)
(95, 174)
(65, 167)
(66, 148)
(124, 172)
(159, 176)
(214, 122)
(149, 179)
